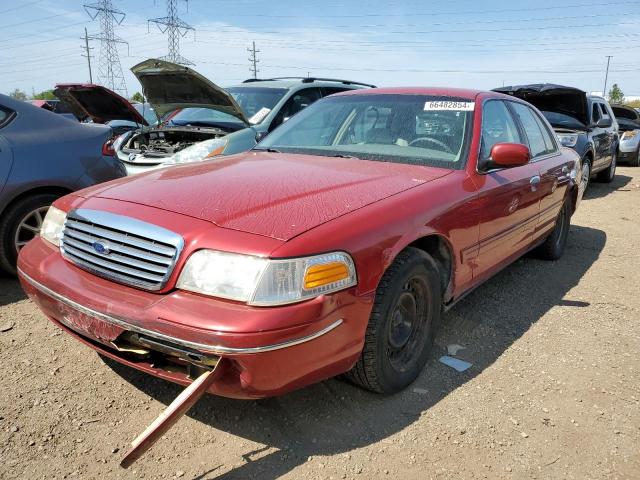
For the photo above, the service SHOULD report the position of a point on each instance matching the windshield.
(147, 112)
(557, 119)
(254, 100)
(414, 129)
(204, 117)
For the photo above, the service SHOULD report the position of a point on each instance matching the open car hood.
(628, 117)
(169, 86)
(552, 98)
(98, 103)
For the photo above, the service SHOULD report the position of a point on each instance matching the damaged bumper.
(177, 335)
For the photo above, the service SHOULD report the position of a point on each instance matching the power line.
(606, 75)
(20, 6)
(109, 68)
(175, 28)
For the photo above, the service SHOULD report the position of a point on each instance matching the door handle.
(534, 182)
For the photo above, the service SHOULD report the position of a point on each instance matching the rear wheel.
(21, 223)
(400, 332)
(555, 244)
(607, 175)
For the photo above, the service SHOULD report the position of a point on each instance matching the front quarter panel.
(374, 235)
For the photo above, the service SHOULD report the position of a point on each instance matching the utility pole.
(109, 68)
(606, 76)
(87, 53)
(175, 28)
(254, 60)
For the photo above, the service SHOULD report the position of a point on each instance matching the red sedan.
(332, 247)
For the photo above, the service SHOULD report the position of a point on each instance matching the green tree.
(18, 95)
(44, 95)
(615, 94)
(137, 97)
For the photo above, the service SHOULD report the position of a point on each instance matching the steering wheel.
(443, 146)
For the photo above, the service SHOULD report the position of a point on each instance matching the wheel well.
(589, 155)
(439, 249)
(60, 191)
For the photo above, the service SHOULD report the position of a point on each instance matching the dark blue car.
(42, 157)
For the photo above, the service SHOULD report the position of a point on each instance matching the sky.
(468, 43)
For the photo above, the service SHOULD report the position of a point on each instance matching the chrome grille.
(120, 248)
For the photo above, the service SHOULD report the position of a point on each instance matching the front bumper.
(269, 351)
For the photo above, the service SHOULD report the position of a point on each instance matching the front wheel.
(19, 224)
(555, 244)
(400, 332)
(607, 175)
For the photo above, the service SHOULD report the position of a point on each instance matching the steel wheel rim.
(29, 227)
(407, 327)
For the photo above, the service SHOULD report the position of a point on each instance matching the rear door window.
(326, 91)
(540, 143)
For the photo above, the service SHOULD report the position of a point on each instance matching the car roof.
(292, 82)
(435, 91)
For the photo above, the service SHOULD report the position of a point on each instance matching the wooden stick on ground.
(181, 405)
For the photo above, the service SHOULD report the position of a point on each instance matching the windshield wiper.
(340, 155)
(270, 150)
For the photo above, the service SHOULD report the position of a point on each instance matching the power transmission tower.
(109, 69)
(87, 53)
(606, 76)
(253, 68)
(175, 28)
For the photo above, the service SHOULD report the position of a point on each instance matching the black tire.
(405, 315)
(608, 174)
(555, 244)
(636, 162)
(9, 223)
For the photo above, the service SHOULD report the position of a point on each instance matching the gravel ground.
(553, 391)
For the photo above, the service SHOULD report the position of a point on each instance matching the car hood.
(552, 98)
(169, 86)
(274, 195)
(628, 118)
(98, 103)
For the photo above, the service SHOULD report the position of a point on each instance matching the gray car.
(42, 157)
(201, 120)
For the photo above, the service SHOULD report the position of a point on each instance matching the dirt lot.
(554, 391)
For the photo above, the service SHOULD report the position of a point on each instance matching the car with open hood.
(203, 120)
(582, 122)
(332, 247)
(629, 126)
(98, 104)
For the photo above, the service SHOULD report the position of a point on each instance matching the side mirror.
(260, 136)
(604, 122)
(507, 155)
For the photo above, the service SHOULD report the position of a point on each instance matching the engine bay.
(162, 143)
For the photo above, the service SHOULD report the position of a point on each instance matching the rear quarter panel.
(51, 151)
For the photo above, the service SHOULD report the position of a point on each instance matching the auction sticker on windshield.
(259, 115)
(440, 105)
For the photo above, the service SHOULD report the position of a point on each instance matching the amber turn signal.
(324, 274)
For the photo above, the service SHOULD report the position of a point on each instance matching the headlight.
(52, 225)
(630, 134)
(198, 152)
(263, 281)
(567, 139)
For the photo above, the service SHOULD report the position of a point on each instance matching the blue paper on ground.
(459, 365)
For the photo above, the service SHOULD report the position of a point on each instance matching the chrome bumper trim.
(214, 349)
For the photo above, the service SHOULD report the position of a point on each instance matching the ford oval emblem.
(100, 248)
